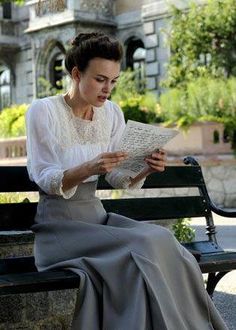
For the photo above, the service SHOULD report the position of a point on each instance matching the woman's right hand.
(105, 162)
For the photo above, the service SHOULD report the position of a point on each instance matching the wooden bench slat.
(16, 179)
(218, 262)
(158, 208)
(17, 265)
(40, 281)
(205, 247)
(20, 216)
(177, 177)
(17, 216)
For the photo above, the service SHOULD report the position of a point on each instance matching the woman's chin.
(99, 102)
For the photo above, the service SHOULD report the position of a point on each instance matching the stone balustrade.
(13, 147)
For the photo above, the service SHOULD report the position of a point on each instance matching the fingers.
(157, 161)
(109, 160)
(112, 157)
(118, 154)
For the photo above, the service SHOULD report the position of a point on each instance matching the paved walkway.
(225, 294)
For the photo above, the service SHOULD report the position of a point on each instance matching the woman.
(133, 275)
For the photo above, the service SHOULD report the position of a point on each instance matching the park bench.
(19, 274)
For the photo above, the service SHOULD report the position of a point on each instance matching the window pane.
(5, 96)
(5, 77)
(5, 88)
(6, 10)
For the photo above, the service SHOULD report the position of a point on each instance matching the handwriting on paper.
(140, 140)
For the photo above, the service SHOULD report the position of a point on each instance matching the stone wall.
(221, 182)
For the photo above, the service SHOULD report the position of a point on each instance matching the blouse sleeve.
(115, 178)
(43, 160)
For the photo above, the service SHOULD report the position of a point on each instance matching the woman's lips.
(102, 98)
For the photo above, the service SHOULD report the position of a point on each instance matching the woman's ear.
(75, 74)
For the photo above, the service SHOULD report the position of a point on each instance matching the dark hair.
(87, 46)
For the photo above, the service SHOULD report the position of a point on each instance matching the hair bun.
(81, 37)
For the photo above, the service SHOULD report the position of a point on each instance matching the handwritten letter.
(140, 140)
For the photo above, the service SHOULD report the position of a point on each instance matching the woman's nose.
(107, 87)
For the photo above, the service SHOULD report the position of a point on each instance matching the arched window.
(5, 87)
(132, 44)
(135, 59)
(57, 71)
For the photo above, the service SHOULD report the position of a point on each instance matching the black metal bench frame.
(19, 274)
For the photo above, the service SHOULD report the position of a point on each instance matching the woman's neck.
(80, 109)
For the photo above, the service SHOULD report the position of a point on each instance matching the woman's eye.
(100, 79)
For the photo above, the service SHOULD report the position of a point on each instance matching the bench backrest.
(20, 216)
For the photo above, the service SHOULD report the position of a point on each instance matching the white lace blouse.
(58, 140)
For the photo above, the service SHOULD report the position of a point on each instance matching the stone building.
(33, 39)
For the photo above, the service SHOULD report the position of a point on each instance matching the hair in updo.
(87, 46)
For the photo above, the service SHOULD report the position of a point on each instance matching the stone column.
(155, 18)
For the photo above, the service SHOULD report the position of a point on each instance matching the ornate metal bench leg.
(212, 280)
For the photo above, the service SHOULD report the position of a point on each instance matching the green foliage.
(202, 42)
(204, 99)
(182, 230)
(136, 105)
(14, 198)
(45, 88)
(12, 121)
(17, 2)
(116, 194)
(125, 87)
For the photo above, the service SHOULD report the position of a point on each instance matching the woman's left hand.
(156, 161)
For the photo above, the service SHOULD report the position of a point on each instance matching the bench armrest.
(214, 208)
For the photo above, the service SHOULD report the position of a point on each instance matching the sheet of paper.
(140, 140)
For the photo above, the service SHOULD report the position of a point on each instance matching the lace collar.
(81, 131)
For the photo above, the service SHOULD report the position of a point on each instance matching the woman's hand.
(156, 161)
(105, 162)
(102, 164)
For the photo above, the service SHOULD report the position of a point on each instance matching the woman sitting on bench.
(134, 275)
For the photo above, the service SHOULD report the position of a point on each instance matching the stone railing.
(104, 7)
(50, 6)
(13, 147)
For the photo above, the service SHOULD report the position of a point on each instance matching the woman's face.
(97, 81)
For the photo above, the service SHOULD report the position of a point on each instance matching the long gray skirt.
(134, 276)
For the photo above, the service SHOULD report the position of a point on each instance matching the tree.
(202, 42)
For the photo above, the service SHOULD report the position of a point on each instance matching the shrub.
(204, 99)
(12, 121)
(182, 230)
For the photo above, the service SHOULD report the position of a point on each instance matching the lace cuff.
(119, 181)
(56, 186)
